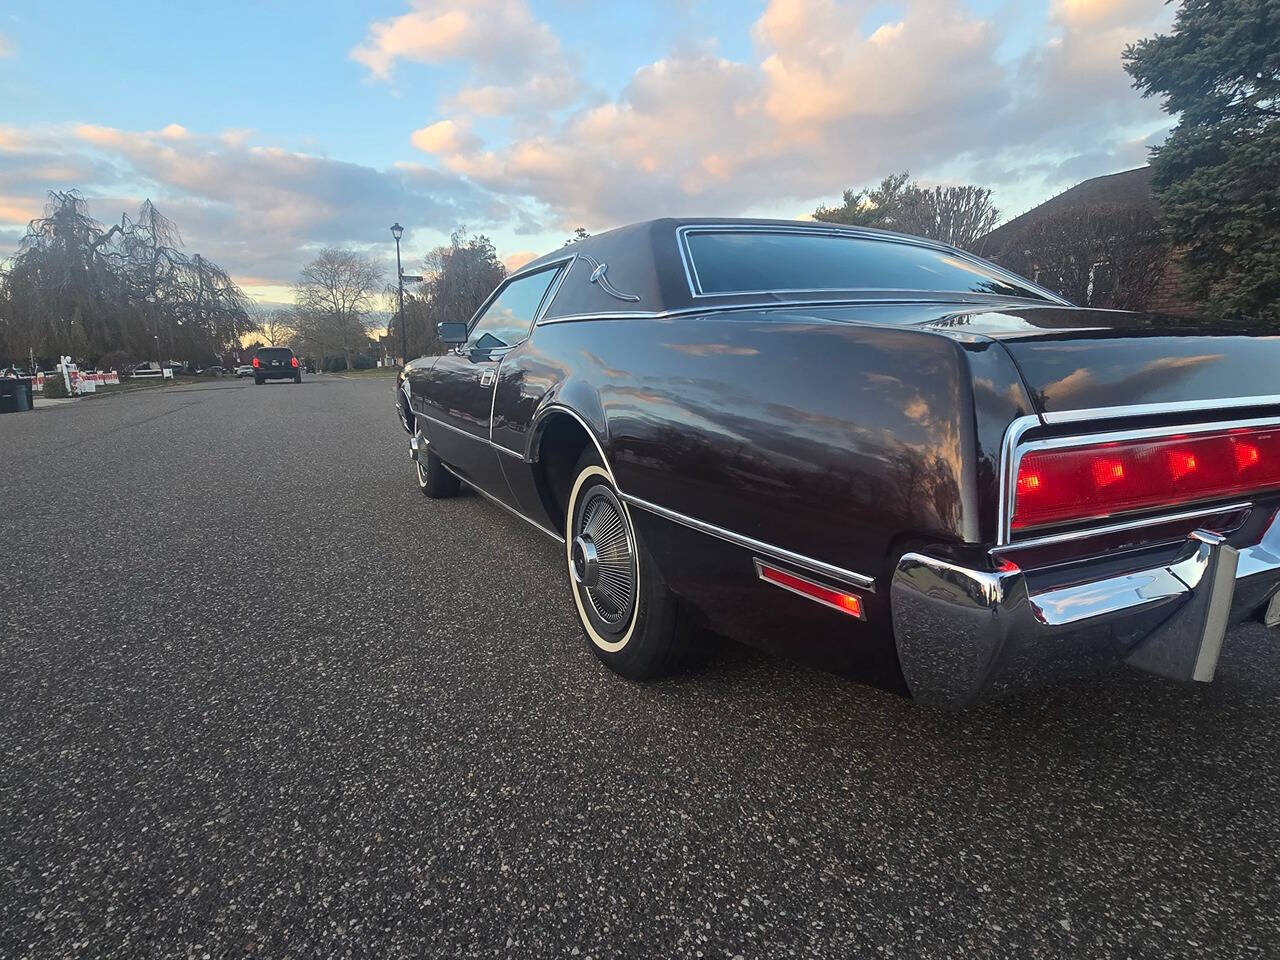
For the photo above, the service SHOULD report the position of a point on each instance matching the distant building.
(1021, 243)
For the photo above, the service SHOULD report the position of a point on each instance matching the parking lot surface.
(258, 697)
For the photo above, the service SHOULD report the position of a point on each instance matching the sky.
(268, 131)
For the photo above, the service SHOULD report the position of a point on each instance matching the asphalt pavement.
(258, 697)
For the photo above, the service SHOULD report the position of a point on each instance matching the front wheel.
(434, 480)
(631, 619)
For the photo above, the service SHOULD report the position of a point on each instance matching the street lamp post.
(397, 231)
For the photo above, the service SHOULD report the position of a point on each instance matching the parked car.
(244, 370)
(818, 438)
(276, 363)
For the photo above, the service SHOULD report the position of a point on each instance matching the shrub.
(361, 362)
(114, 360)
(54, 387)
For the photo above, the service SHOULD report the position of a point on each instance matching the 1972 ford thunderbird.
(844, 441)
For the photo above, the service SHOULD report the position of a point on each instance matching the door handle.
(486, 378)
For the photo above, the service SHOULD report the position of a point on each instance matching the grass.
(386, 373)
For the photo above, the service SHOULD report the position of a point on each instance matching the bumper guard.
(965, 635)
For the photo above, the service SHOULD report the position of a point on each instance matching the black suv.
(276, 363)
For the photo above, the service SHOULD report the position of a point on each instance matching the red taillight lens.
(295, 361)
(255, 361)
(1082, 483)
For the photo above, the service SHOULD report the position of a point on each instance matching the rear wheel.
(297, 378)
(257, 381)
(631, 619)
(434, 479)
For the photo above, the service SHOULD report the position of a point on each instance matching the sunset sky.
(268, 130)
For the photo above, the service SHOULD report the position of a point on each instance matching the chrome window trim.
(695, 284)
(798, 559)
(543, 305)
(1154, 409)
(1014, 450)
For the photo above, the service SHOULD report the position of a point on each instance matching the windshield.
(757, 262)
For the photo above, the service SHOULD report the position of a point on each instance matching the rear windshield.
(755, 262)
(274, 353)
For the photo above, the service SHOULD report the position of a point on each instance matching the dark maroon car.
(866, 446)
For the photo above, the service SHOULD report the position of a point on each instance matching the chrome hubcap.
(603, 557)
(586, 562)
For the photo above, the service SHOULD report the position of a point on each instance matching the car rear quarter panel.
(831, 439)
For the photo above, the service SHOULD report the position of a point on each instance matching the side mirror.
(452, 332)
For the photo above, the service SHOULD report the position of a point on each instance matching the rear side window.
(726, 262)
(274, 353)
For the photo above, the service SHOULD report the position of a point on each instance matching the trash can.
(15, 395)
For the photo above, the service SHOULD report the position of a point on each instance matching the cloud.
(825, 104)
(514, 261)
(258, 210)
(7, 48)
(515, 62)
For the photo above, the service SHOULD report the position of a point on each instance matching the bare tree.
(78, 287)
(959, 216)
(1100, 258)
(277, 326)
(457, 280)
(334, 294)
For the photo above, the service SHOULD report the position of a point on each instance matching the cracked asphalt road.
(259, 698)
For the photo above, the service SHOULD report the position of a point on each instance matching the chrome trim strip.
(1013, 452)
(695, 285)
(1012, 437)
(780, 305)
(1154, 409)
(760, 565)
(1121, 527)
(798, 559)
(561, 408)
(549, 297)
(543, 305)
(458, 430)
(510, 509)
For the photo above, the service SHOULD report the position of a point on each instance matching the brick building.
(1126, 192)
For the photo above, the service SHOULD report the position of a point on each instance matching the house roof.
(1128, 190)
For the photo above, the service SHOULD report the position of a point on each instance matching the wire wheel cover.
(602, 524)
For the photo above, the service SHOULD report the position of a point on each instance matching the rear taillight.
(1058, 485)
(255, 361)
(295, 361)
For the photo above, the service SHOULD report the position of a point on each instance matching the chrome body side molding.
(510, 509)
(859, 580)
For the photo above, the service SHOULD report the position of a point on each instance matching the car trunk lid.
(1074, 360)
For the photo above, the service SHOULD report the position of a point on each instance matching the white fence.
(95, 379)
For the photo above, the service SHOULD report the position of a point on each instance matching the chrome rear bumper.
(964, 635)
